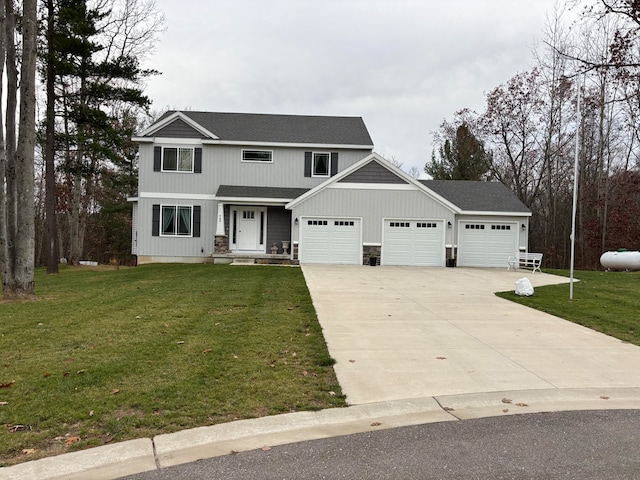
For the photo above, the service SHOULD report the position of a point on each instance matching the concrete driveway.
(407, 332)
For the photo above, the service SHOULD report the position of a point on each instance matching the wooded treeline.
(527, 132)
(65, 175)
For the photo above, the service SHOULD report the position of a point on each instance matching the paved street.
(564, 445)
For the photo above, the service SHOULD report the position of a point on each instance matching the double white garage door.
(339, 240)
(408, 242)
(330, 240)
(485, 244)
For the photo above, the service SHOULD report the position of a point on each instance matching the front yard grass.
(608, 302)
(106, 355)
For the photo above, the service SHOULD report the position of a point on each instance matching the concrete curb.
(141, 455)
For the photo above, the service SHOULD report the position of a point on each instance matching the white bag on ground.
(524, 287)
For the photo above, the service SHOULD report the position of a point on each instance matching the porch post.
(220, 243)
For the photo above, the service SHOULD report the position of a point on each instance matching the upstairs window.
(321, 163)
(265, 156)
(176, 159)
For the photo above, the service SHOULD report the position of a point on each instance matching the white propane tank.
(620, 260)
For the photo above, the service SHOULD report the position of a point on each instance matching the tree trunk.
(24, 286)
(51, 237)
(10, 216)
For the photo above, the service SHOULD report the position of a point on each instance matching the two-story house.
(218, 186)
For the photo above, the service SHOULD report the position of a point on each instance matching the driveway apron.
(409, 332)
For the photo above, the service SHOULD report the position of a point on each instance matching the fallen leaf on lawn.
(180, 342)
(166, 325)
(448, 409)
(69, 360)
(206, 350)
(91, 413)
(71, 440)
(332, 393)
(266, 448)
(66, 374)
(506, 400)
(305, 373)
(604, 397)
(29, 451)
(138, 316)
(47, 374)
(8, 384)
(217, 324)
(376, 424)
(19, 428)
(80, 371)
(4, 403)
(505, 410)
(294, 354)
(235, 356)
(156, 412)
(114, 391)
(522, 404)
(307, 334)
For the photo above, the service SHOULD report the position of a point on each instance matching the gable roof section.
(406, 182)
(472, 196)
(348, 132)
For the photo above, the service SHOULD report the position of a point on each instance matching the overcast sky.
(402, 65)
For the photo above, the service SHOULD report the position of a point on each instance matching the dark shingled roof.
(477, 196)
(238, 191)
(268, 128)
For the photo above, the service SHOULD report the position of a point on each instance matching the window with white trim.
(263, 156)
(177, 159)
(176, 221)
(321, 164)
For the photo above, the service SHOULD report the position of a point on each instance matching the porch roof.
(283, 194)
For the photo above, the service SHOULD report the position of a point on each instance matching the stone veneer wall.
(366, 251)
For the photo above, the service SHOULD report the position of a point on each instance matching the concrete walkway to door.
(408, 332)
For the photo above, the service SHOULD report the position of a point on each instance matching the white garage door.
(413, 242)
(482, 244)
(330, 240)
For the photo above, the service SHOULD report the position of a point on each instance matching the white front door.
(248, 226)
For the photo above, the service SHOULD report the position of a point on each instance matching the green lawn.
(107, 355)
(608, 302)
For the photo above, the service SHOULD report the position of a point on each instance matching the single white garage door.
(413, 242)
(330, 240)
(484, 244)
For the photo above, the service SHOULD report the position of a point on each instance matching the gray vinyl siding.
(176, 246)
(178, 129)
(372, 172)
(278, 227)
(134, 229)
(373, 206)
(221, 164)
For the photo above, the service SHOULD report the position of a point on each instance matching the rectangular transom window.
(321, 164)
(177, 159)
(473, 226)
(343, 223)
(399, 224)
(500, 227)
(176, 221)
(257, 156)
(316, 222)
(426, 225)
